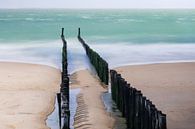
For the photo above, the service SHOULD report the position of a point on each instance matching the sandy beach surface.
(171, 87)
(91, 113)
(27, 94)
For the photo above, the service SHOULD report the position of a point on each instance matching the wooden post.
(79, 32)
(143, 114)
(62, 34)
(163, 120)
(126, 96)
(66, 120)
(123, 84)
(132, 108)
(115, 86)
(137, 109)
(127, 108)
(118, 90)
(149, 103)
(59, 107)
(153, 116)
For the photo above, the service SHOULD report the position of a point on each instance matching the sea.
(122, 37)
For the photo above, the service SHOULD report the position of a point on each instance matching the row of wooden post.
(139, 112)
(97, 61)
(63, 96)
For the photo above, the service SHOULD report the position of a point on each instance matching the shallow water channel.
(111, 108)
(53, 119)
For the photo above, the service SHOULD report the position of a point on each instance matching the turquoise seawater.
(135, 26)
(120, 36)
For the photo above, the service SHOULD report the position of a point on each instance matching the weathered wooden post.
(59, 107)
(62, 34)
(149, 104)
(143, 113)
(66, 121)
(137, 110)
(79, 32)
(163, 121)
(64, 89)
(126, 97)
(156, 119)
(132, 108)
(107, 74)
(123, 98)
(120, 95)
(118, 91)
(153, 116)
(115, 82)
(146, 115)
(127, 104)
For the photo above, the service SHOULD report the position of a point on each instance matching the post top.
(62, 34)
(79, 32)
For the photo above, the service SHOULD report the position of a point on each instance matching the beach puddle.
(53, 119)
(111, 108)
(73, 105)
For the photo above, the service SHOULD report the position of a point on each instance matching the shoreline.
(30, 63)
(136, 64)
(32, 89)
(152, 63)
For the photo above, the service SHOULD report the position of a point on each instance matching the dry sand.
(27, 94)
(91, 113)
(171, 87)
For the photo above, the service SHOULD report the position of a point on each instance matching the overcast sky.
(97, 4)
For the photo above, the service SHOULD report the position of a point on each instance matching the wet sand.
(91, 112)
(171, 87)
(27, 94)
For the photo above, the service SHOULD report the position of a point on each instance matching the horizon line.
(102, 8)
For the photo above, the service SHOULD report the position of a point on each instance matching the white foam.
(123, 54)
(38, 19)
(116, 54)
(122, 20)
(37, 52)
(29, 19)
(86, 17)
(77, 58)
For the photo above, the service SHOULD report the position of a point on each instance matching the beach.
(121, 37)
(90, 111)
(27, 93)
(170, 86)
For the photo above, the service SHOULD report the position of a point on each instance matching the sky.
(97, 4)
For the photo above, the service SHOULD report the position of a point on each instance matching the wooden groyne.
(139, 112)
(100, 65)
(63, 96)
